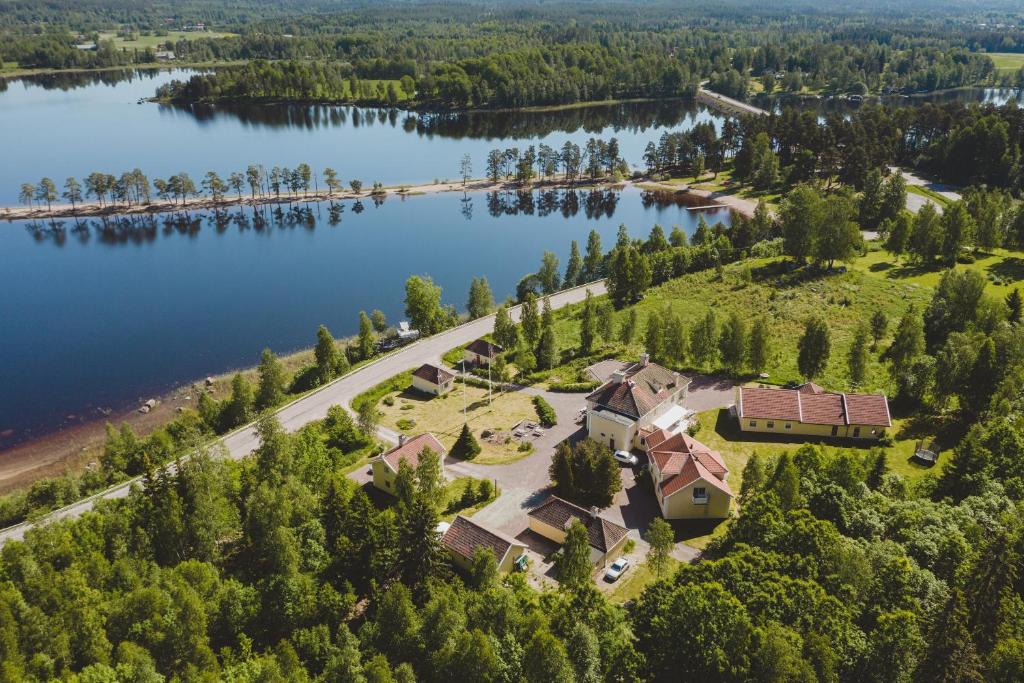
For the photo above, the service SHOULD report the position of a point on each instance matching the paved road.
(341, 391)
(916, 201)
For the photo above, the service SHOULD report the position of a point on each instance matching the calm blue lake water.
(106, 316)
(73, 126)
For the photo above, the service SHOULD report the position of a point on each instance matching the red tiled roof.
(644, 387)
(482, 347)
(433, 374)
(868, 409)
(603, 534)
(810, 404)
(411, 450)
(464, 536)
(682, 460)
(822, 409)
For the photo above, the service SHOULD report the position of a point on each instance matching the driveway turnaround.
(314, 406)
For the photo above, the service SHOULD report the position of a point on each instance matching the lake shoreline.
(95, 209)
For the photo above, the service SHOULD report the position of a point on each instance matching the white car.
(626, 457)
(617, 569)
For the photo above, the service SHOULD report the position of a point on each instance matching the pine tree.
(627, 333)
(573, 563)
(560, 471)
(367, 342)
(271, 381)
(879, 326)
(754, 477)
(857, 359)
(732, 343)
(547, 349)
(530, 321)
(481, 300)
(574, 268)
(1014, 302)
(326, 354)
(466, 446)
(704, 340)
(239, 407)
(878, 469)
(653, 337)
(505, 333)
(660, 539)
(760, 345)
(983, 380)
(951, 655)
(588, 326)
(815, 347)
(593, 261)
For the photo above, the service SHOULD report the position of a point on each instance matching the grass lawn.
(453, 494)
(1007, 61)
(1003, 268)
(636, 579)
(413, 413)
(724, 184)
(929, 194)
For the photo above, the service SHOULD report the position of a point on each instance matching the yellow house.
(431, 379)
(463, 537)
(552, 518)
(481, 352)
(809, 410)
(385, 465)
(689, 477)
(637, 396)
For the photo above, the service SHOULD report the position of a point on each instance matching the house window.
(789, 426)
(753, 423)
(700, 495)
(835, 430)
(856, 432)
(771, 425)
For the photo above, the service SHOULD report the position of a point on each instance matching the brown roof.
(682, 460)
(464, 536)
(603, 534)
(810, 404)
(411, 450)
(644, 387)
(433, 374)
(482, 347)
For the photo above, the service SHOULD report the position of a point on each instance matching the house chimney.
(619, 376)
(645, 359)
(593, 512)
(401, 439)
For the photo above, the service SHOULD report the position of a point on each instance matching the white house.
(431, 379)
(481, 352)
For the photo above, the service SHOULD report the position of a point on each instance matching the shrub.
(485, 491)
(389, 401)
(525, 447)
(629, 547)
(574, 387)
(545, 413)
(405, 424)
(693, 429)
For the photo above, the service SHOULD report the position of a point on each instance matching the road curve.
(293, 416)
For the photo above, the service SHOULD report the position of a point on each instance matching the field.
(413, 412)
(1007, 61)
(141, 42)
(1003, 268)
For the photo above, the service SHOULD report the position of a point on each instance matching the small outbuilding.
(463, 537)
(551, 519)
(430, 379)
(481, 352)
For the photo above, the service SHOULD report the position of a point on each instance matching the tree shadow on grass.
(1011, 268)
(689, 529)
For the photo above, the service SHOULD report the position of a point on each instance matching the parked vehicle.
(617, 569)
(626, 458)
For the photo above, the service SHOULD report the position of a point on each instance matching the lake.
(76, 124)
(103, 315)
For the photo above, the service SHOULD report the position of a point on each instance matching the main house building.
(809, 410)
(638, 396)
(385, 465)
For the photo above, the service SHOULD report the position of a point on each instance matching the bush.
(525, 447)
(389, 401)
(574, 387)
(405, 424)
(629, 547)
(485, 491)
(545, 413)
(693, 429)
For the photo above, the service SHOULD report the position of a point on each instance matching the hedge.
(545, 413)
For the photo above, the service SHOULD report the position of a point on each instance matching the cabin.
(433, 380)
(481, 352)
(463, 537)
(810, 410)
(551, 519)
(385, 465)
